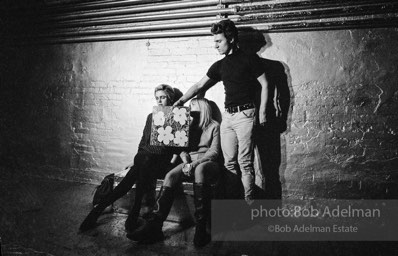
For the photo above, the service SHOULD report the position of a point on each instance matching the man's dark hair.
(228, 28)
(177, 94)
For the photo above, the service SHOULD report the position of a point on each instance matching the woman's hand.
(185, 157)
(173, 159)
(187, 169)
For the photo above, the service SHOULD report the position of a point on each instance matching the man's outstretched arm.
(203, 85)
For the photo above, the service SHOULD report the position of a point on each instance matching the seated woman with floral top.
(201, 163)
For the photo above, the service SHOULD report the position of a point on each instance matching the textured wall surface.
(76, 111)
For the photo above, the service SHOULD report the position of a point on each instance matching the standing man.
(241, 74)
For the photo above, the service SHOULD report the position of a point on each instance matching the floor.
(41, 217)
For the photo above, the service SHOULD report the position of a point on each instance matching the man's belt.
(239, 108)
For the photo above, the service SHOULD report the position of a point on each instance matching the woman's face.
(195, 113)
(162, 99)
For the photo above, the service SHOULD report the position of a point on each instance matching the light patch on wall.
(122, 60)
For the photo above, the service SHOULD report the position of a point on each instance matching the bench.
(183, 206)
(181, 211)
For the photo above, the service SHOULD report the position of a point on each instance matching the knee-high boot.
(132, 218)
(152, 230)
(202, 213)
(120, 190)
(90, 221)
(214, 193)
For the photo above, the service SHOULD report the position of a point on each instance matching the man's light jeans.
(237, 145)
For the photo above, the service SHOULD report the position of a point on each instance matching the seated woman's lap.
(206, 172)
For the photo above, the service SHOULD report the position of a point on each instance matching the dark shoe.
(150, 232)
(91, 220)
(131, 223)
(249, 200)
(201, 237)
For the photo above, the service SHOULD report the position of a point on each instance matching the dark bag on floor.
(104, 189)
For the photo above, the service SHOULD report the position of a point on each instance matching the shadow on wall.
(35, 112)
(280, 100)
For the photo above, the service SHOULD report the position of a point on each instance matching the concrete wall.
(76, 111)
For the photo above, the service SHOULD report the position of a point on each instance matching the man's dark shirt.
(239, 72)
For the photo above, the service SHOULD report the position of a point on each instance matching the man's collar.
(233, 51)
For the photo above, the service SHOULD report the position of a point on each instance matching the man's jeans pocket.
(249, 113)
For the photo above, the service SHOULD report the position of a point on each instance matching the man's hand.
(262, 118)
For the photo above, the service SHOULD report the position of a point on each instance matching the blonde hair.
(206, 113)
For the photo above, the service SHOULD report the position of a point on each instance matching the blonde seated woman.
(200, 163)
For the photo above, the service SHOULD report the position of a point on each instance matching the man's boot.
(152, 230)
(202, 213)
